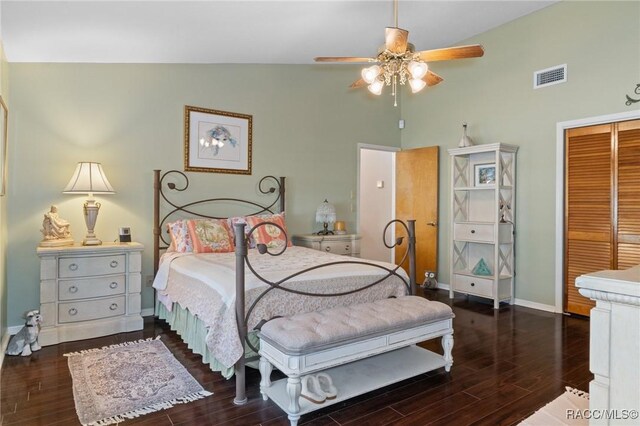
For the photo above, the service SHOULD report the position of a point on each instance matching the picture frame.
(485, 174)
(4, 123)
(217, 141)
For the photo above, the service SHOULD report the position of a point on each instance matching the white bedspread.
(205, 284)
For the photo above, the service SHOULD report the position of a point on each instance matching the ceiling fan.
(398, 62)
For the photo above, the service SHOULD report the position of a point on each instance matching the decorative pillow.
(210, 235)
(240, 219)
(180, 238)
(269, 235)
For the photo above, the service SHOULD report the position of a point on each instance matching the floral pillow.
(241, 219)
(269, 235)
(210, 235)
(180, 238)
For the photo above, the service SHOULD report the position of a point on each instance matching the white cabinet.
(483, 194)
(614, 351)
(89, 291)
(345, 244)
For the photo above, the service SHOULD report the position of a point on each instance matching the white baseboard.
(536, 305)
(443, 286)
(519, 302)
(3, 346)
(14, 329)
(148, 312)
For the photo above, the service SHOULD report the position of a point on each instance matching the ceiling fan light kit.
(397, 62)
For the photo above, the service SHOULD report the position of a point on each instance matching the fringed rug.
(127, 380)
(570, 408)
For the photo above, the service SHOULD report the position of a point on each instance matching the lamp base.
(91, 241)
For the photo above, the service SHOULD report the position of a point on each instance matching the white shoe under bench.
(363, 347)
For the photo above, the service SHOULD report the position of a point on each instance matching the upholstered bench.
(362, 347)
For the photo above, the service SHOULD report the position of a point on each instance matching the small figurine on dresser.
(55, 230)
(26, 340)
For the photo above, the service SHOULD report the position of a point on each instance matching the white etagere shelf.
(483, 220)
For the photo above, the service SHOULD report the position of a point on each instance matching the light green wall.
(130, 117)
(599, 42)
(4, 92)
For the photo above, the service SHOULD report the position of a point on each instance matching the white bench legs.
(447, 345)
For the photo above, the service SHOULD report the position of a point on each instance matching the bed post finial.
(241, 254)
(412, 255)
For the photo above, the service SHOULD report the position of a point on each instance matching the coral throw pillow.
(269, 235)
(210, 235)
(180, 238)
(240, 219)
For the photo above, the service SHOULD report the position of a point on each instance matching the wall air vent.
(550, 76)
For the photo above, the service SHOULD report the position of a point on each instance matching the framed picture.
(217, 141)
(485, 174)
(4, 117)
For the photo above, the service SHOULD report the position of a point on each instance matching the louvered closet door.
(628, 232)
(602, 210)
(588, 210)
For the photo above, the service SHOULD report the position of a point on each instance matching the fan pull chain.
(395, 12)
(395, 91)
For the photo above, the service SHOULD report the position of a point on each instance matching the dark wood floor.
(507, 364)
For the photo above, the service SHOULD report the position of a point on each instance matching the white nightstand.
(346, 244)
(89, 291)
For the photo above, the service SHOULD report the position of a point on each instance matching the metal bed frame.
(242, 261)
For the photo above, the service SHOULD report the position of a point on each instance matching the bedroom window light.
(325, 214)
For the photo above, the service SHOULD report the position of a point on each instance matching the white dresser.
(614, 351)
(345, 244)
(89, 291)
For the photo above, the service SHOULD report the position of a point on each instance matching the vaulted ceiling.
(279, 32)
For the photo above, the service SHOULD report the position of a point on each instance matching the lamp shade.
(89, 178)
(326, 213)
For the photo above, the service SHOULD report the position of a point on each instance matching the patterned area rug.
(125, 381)
(570, 408)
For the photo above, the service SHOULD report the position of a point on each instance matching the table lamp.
(89, 178)
(325, 214)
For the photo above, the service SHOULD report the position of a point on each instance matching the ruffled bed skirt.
(193, 332)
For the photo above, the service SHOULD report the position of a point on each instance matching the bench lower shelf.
(365, 375)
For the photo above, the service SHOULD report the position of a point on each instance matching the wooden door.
(628, 191)
(588, 212)
(417, 198)
(602, 203)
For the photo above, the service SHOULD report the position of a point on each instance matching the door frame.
(360, 147)
(561, 127)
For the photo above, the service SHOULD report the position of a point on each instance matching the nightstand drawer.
(473, 232)
(91, 309)
(71, 267)
(336, 247)
(91, 287)
(473, 285)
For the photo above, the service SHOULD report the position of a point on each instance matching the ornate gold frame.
(187, 142)
(3, 147)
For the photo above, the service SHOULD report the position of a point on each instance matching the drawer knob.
(473, 284)
(114, 263)
(73, 289)
(346, 247)
(73, 267)
(327, 249)
(473, 231)
(113, 285)
(113, 306)
(73, 311)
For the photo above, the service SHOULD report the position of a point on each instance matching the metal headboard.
(164, 185)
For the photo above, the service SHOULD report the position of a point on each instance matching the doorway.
(376, 198)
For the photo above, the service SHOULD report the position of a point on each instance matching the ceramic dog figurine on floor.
(26, 340)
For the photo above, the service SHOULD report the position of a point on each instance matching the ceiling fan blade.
(459, 52)
(357, 84)
(395, 39)
(343, 59)
(431, 78)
